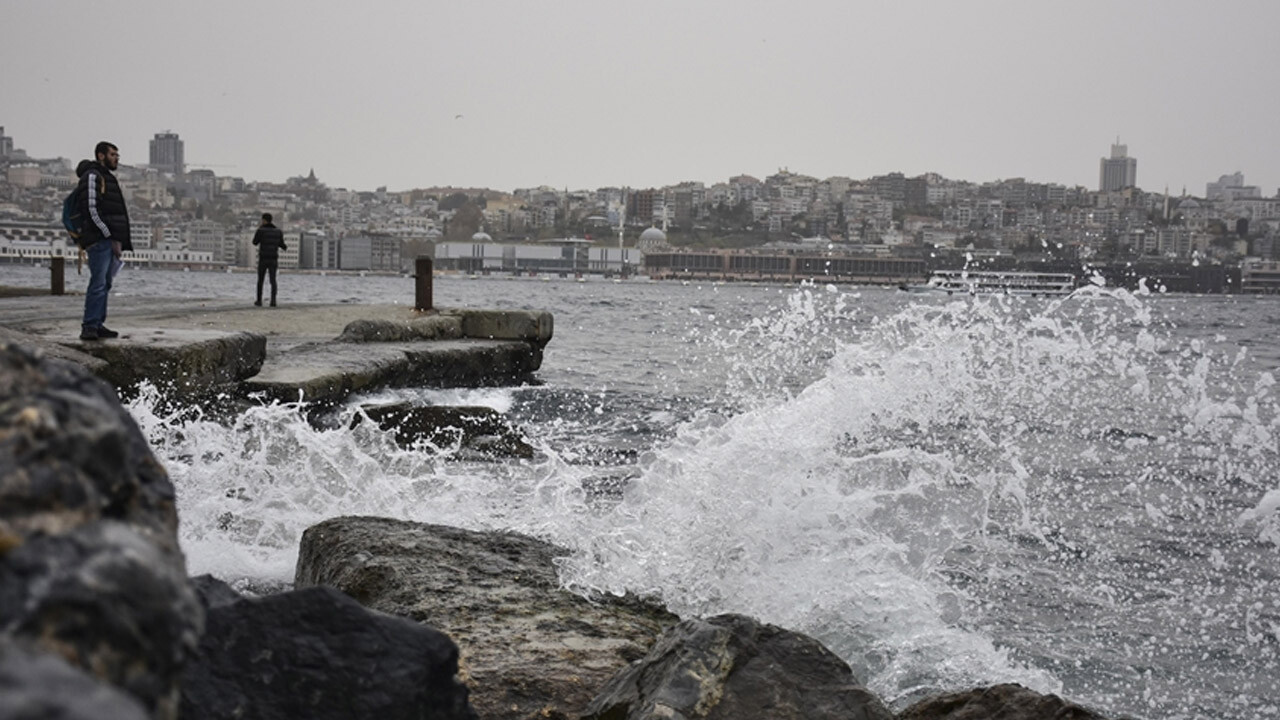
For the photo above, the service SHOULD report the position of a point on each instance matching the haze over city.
(588, 94)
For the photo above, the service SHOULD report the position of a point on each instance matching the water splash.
(955, 468)
(1078, 495)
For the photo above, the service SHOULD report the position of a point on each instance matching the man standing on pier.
(105, 237)
(270, 241)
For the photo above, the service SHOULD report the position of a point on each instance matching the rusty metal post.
(422, 269)
(57, 275)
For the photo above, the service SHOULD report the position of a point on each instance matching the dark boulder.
(90, 568)
(999, 702)
(528, 648)
(315, 653)
(70, 454)
(476, 430)
(732, 667)
(106, 598)
(39, 686)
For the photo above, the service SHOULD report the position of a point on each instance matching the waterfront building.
(1260, 276)
(782, 265)
(370, 252)
(318, 251)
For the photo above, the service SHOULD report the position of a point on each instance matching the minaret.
(622, 217)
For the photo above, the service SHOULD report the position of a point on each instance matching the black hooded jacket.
(270, 241)
(108, 217)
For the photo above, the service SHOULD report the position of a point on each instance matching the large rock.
(90, 568)
(999, 702)
(479, 430)
(732, 667)
(40, 686)
(71, 455)
(315, 653)
(528, 648)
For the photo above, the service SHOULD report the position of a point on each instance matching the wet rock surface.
(480, 431)
(39, 686)
(999, 702)
(186, 364)
(90, 568)
(731, 667)
(329, 372)
(528, 648)
(315, 653)
(432, 327)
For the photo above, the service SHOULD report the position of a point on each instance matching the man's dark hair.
(266, 216)
(102, 148)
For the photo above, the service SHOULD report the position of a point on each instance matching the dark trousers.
(267, 267)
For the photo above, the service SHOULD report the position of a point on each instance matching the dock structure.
(315, 353)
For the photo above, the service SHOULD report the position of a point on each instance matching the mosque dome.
(481, 237)
(652, 237)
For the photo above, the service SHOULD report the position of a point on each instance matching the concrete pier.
(311, 352)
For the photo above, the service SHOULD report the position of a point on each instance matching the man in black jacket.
(105, 236)
(270, 241)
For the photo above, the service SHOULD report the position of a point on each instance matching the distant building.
(1231, 187)
(319, 251)
(167, 153)
(370, 252)
(207, 236)
(1118, 171)
(6, 145)
(26, 175)
(642, 205)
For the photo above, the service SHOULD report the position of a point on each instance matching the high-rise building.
(167, 153)
(6, 144)
(1118, 171)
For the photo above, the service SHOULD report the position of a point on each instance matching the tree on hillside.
(454, 201)
(465, 222)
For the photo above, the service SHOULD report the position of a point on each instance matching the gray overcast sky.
(520, 93)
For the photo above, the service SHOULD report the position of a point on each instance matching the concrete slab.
(294, 351)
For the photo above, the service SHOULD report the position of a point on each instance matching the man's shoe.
(106, 334)
(273, 303)
(89, 334)
(258, 303)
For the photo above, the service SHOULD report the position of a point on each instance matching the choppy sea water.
(1080, 495)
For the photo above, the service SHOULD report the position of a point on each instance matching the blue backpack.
(75, 212)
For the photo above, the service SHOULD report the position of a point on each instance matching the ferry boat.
(986, 282)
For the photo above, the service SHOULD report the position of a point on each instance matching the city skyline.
(508, 95)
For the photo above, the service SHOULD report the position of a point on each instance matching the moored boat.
(1004, 282)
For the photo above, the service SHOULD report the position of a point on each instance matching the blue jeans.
(95, 298)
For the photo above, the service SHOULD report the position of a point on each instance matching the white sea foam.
(947, 494)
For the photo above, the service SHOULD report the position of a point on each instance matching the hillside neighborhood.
(882, 229)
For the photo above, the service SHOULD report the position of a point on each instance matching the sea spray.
(1076, 494)
(956, 498)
